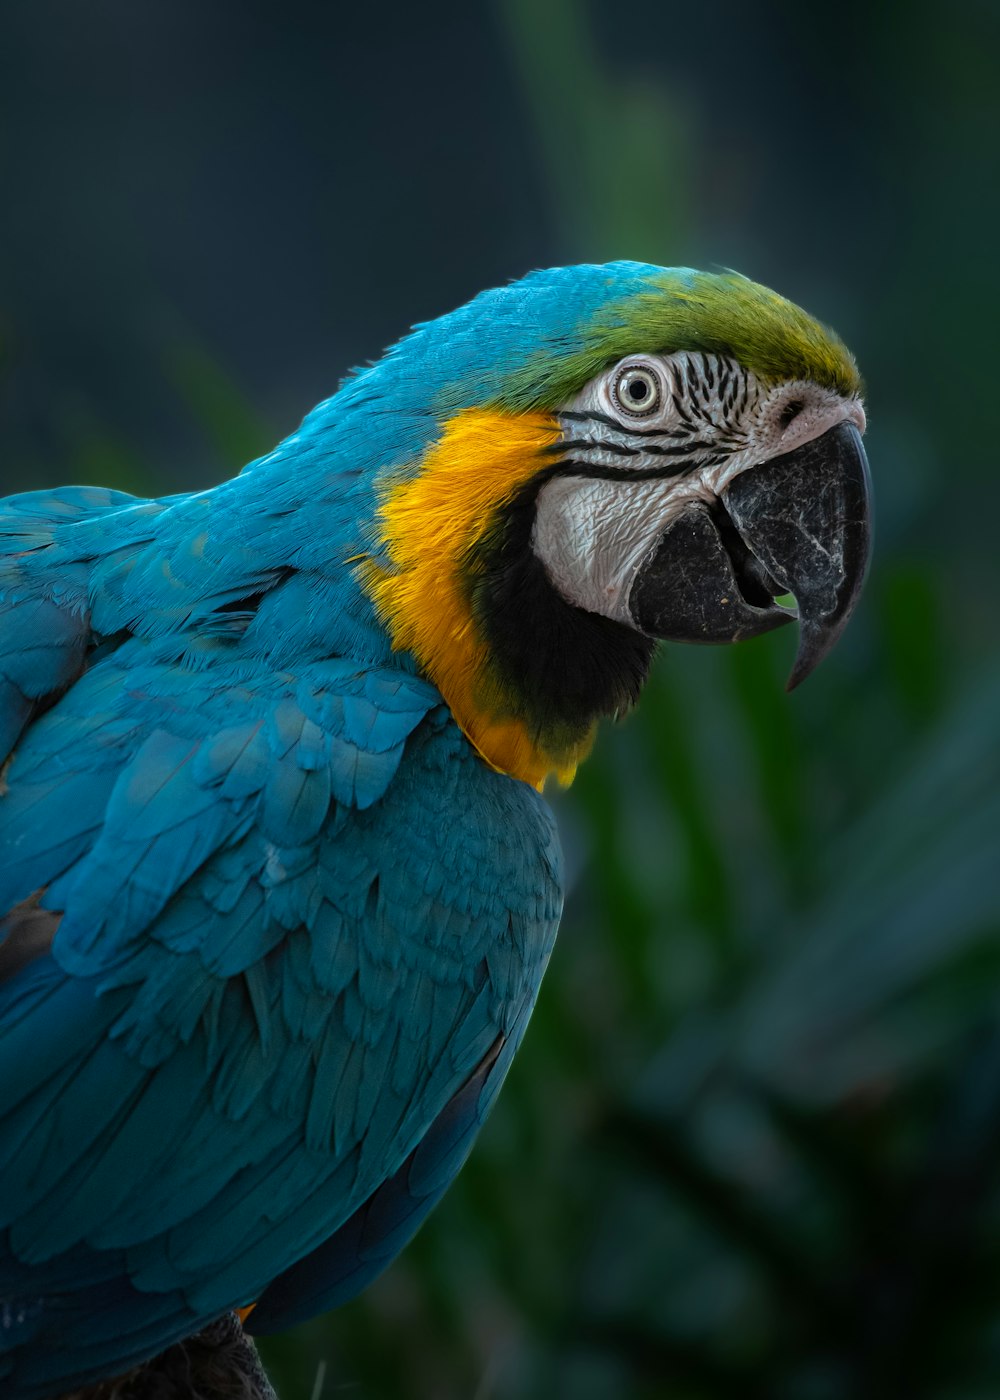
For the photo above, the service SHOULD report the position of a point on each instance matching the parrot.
(278, 878)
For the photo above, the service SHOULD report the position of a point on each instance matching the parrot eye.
(637, 391)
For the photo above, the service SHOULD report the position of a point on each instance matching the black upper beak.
(799, 524)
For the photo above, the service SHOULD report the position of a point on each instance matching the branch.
(218, 1363)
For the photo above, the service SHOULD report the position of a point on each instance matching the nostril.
(790, 412)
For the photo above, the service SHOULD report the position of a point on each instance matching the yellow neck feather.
(430, 524)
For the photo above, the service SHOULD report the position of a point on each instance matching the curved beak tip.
(807, 516)
(813, 647)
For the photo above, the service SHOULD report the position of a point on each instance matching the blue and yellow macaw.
(277, 883)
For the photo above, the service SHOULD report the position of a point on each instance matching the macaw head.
(617, 455)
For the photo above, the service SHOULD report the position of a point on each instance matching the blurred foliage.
(751, 1145)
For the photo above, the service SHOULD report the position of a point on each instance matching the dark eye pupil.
(636, 390)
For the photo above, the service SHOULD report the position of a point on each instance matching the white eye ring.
(637, 391)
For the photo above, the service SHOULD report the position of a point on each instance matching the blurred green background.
(751, 1146)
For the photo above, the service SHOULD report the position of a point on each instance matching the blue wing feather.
(292, 920)
(371, 1238)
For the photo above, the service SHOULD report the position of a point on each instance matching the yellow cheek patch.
(430, 524)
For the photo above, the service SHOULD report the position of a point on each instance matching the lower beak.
(799, 524)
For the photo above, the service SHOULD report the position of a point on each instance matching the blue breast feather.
(298, 929)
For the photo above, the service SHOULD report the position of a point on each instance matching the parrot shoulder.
(48, 543)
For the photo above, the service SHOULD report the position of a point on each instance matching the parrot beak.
(799, 524)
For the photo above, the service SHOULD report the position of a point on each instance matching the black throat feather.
(559, 667)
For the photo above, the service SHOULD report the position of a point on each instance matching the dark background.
(751, 1145)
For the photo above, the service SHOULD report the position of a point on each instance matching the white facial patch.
(593, 535)
(644, 440)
